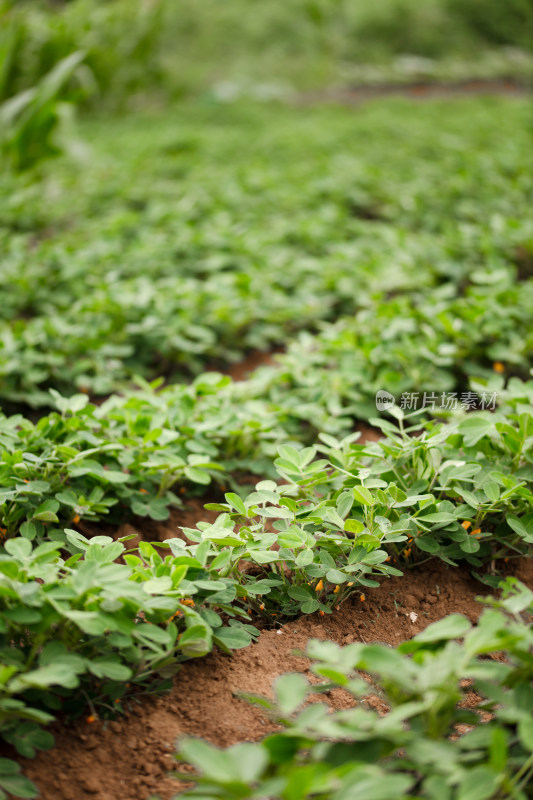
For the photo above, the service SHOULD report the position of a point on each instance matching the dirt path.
(129, 758)
(419, 90)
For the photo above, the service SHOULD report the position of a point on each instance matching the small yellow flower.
(474, 533)
(187, 601)
(498, 367)
(76, 518)
(466, 524)
(350, 583)
(336, 590)
(321, 613)
(362, 598)
(319, 586)
(90, 719)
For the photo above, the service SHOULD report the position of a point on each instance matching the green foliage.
(162, 48)
(34, 124)
(509, 24)
(166, 226)
(412, 750)
(188, 240)
(461, 491)
(121, 42)
(85, 629)
(93, 630)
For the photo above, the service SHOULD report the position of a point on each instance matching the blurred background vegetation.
(118, 54)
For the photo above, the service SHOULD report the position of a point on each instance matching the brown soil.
(257, 358)
(129, 758)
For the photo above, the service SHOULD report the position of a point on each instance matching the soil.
(257, 358)
(130, 758)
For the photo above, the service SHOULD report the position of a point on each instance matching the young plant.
(415, 748)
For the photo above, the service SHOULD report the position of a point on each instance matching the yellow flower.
(319, 586)
(336, 590)
(362, 598)
(466, 524)
(498, 367)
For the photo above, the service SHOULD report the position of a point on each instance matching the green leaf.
(291, 690)
(451, 627)
(479, 783)
(195, 641)
(427, 545)
(475, 427)
(301, 593)
(525, 731)
(304, 558)
(235, 502)
(46, 512)
(110, 669)
(519, 526)
(469, 545)
(241, 764)
(335, 576)
(28, 530)
(19, 786)
(363, 496)
(19, 548)
(439, 517)
(492, 492)
(353, 526)
(231, 638)
(310, 606)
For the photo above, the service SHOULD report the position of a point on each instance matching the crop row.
(156, 260)
(132, 454)
(104, 623)
(431, 743)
